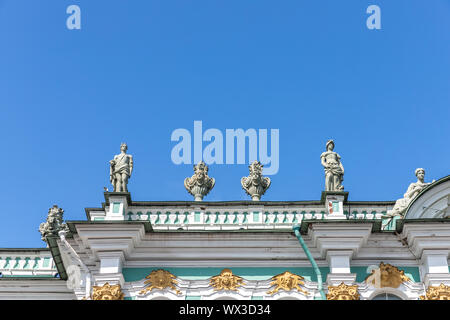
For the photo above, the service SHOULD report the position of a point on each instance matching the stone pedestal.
(117, 205)
(334, 204)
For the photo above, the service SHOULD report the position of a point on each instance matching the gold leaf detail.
(287, 281)
(107, 292)
(387, 276)
(343, 292)
(441, 292)
(226, 280)
(160, 279)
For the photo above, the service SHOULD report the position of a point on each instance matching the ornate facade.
(245, 250)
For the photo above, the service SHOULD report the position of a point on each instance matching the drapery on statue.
(413, 190)
(120, 169)
(334, 171)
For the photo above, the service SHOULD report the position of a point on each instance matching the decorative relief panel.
(343, 292)
(441, 292)
(226, 280)
(387, 276)
(287, 281)
(160, 279)
(107, 292)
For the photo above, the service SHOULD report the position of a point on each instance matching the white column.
(110, 268)
(435, 267)
(339, 262)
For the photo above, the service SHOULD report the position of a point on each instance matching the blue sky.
(137, 70)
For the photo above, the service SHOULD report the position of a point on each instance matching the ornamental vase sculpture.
(255, 185)
(199, 185)
(53, 224)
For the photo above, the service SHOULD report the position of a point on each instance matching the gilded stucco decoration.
(107, 292)
(226, 280)
(343, 292)
(441, 292)
(287, 281)
(387, 276)
(160, 279)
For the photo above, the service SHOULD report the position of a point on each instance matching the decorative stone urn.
(199, 185)
(255, 185)
(53, 224)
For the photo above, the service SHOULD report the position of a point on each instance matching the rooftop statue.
(334, 170)
(53, 224)
(413, 190)
(120, 169)
(199, 185)
(255, 184)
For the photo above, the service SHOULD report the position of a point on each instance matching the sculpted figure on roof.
(255, 185)
(120, 169)
(53, 224)
(413, 190)
(334, 170)
(200, 184)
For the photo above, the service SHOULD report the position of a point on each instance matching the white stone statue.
(199, 185)
(53, 224)
(413, 190)
(255, 184)
(334, 170)
(120, 169)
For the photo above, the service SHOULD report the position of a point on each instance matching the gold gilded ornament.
(160, 279)
(107, 292)
(441, 292)
(226, 280)
(287, 281)
(343, 292)
(387, 276)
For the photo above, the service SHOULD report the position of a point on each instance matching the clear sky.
(137, 70)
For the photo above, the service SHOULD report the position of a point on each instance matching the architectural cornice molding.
(422, 236)
(329, 236)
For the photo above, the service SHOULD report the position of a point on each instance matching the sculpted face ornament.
(343, 292)
(107, 292)
(442, 292)
(287, 281)
(160, 279)
(120, 169)
(226, 280)
(199, 185)
(334, 170)
(387, 276)
(255, 185)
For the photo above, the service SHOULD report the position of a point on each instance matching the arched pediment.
(432, 202)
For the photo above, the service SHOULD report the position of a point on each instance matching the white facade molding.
(335, 279)
(423, 236)
(348, 236)
(35, 289)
